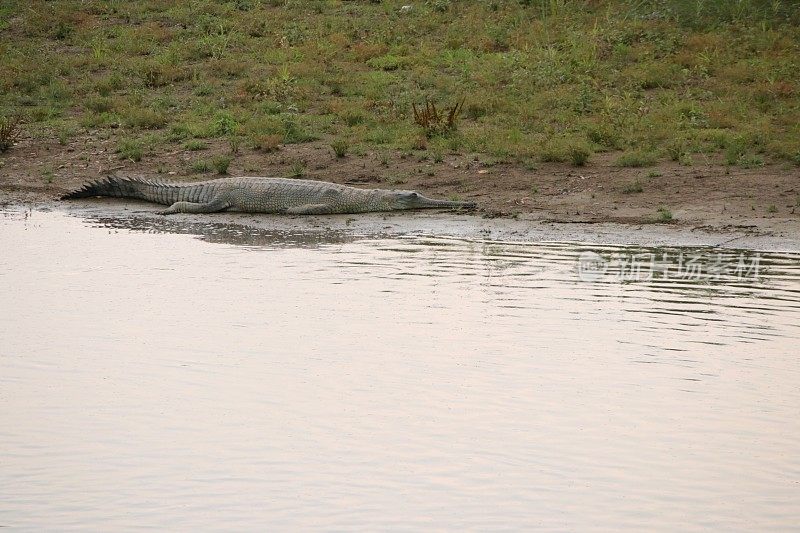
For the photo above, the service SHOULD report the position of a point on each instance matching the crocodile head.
(414, 200)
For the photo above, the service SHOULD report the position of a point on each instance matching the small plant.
(530, 165)
(131, 149)
(636, 159)
(663, 214)
(224, 124)
(751, 161)
(633, 187)
(221, 163)
(200, 166)
(340, 147)
(194, 145)
(436, 123)
(772, 209)
(298, 169)
(437, 157)
(234, 141)
(9, 132)
(293, 133)
(47, 175)
(578, 155)
(267, 143)
(654, 174)
(143, 118)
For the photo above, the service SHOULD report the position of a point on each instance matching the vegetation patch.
(10, 132)
(673, 78)
(131, 149)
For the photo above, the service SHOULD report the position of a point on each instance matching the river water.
(167, 374)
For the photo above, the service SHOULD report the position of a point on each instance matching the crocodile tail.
(109, 186)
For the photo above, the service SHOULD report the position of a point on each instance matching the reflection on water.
(326, 380)
(237, 234)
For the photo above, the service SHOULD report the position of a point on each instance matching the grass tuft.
(221, 163)
(131, 149)
(201, 166)
(435, 122)
(297, 170)
(10, 132)
(663, 214)
(340, 148)
(633, 187)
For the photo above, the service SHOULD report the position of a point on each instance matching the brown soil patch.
(707, 194)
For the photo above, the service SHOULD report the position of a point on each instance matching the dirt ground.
(707, 194)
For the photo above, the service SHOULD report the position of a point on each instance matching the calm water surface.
(177, 375)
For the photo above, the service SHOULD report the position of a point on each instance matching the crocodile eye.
(414, 194)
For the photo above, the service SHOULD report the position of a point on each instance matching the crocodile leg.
(218, 204)
(311, 209)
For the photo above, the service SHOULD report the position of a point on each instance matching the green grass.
(131, 149)
(546, 80)
(633, 187)
(194, 145)
(340, 147)
(663, 215)
(636, 159)
(200, 166)
(221, 163)
(297, 170)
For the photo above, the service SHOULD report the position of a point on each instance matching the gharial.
(260, 195)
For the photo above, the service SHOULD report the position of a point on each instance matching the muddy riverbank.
(705, 196)
(473, 226)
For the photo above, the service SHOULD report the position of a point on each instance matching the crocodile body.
(260, 195)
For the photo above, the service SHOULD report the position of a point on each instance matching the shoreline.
(523, 228)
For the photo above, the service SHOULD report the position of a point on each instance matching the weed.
(298, 169)
(10, 132)
(751, 161)
(340, 147)
(48, 175)
(65, 133)
(144, 118)
(267, 143)
(772, 209)
(636, 159)
(194, 145)
(201, 166)
(663, 214)
(293, 133)
(221, 163)
(578, 155)
(654, 174)
(565, 150)
(234, 142)
(530, 165)
(224, 124)
(131, 149)
(354, 118)
(436, 123)
(633, 187)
